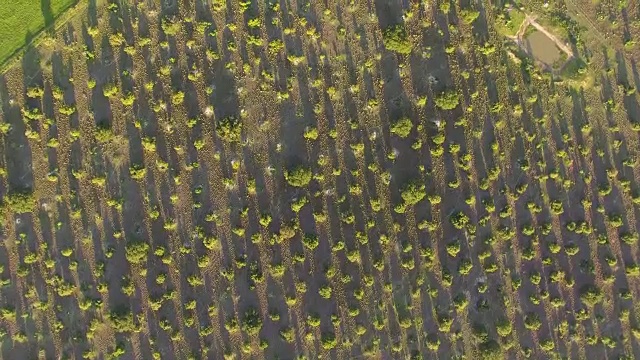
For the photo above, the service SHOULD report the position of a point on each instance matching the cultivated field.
(186, 179)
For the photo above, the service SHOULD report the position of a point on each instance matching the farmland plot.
(315, 180)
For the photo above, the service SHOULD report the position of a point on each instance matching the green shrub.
(402, 127)
(328, 340)
(480, 332)
(252, 323)
(433, 343)
(465, 267)
(459, 220)
(229, 129)
(395, 39)
(490, 349)
(444, 323)
(310, 241)
(504, 328)
(128, 99)
(177, 98)
(453, 248)
(136, 252)
(469, 16)
(116, 39)
(170, 28)
(532, 322)
(287, 335)
(20, 202)
(122, 320)
(325, 292)
(629, 238)
(104, 134)
(590, 295)
(298, 204)
(448, 100)
(547, 344)
(137, 171)
(413, 193)
(311, 133)
(110, 90)
(67, 110)
(298, 177)
(35, 92)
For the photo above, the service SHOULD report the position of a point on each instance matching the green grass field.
(508, 26)
(21, 18)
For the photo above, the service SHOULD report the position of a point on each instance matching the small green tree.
(504, 328)
(310, 241)
(287, 335)
(433, 343)
(402, 127)
(35, 92)
(413, 193)
(490, 349)
(251, 323)
(590, 295)
(328, 340)
(532, 322)
(459, 220)
(395, 39)
(122, 320)
(469, 15)
(229, 129)
(104, 133)
(20, 202)
(298, 177)
(136, 252)
(448, 100)
(177, 98)
(325, 292)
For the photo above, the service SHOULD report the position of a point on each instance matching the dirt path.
(523, 27)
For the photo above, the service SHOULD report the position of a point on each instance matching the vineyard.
(341, 179)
